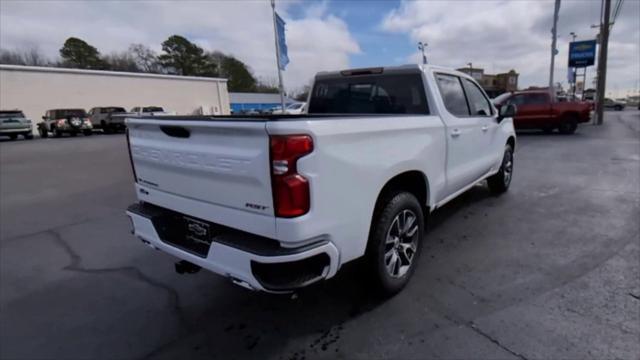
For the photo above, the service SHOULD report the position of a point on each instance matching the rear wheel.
(618, 108)
(500, 182)
(88, 133)
(43, 132)
(568, 126)
(28, 136)
(395, 241)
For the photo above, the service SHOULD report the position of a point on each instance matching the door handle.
(485, 128)
(455, 133)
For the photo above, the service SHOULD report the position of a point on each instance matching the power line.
(616, 11)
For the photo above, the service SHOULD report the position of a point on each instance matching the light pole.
(421, 47)
(470, 69)
(575, 72)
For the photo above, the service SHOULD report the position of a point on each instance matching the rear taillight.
(290, 189)
(133, 169)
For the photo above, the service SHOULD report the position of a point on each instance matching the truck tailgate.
(221, 163)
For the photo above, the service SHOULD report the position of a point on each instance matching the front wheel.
(395, 241)
(13, 136)
(88, 133)
(568, 126)
(500, 182)
(43, 132)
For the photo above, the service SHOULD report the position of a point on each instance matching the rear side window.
(536, 99)
(369, 94)
(152, 109)
(452, 94)
(477, 101)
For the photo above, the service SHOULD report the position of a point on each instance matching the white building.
(35, 90)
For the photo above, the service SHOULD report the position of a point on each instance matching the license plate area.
(186, 232)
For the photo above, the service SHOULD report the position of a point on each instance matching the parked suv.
(277, 202)
(13, 123)
(110, 118)
(65, 121)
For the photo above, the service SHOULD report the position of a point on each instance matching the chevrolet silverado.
(277, 202)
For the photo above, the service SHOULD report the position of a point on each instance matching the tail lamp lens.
(290, 189)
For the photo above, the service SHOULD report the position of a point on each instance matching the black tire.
(43, 132)
(13, 136)
(568, 126)
(618, 108)
(105, 127)
(56, 133)
(88, 133)
(548, 130)
(500, 181)
(404, 249)
(73, 133)
(28, 136)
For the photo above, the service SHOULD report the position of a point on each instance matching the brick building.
(493, 84)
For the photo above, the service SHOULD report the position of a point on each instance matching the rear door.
(220, 163)
(464, 135)
(534, 110)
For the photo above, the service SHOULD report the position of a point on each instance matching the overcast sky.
(336, 34)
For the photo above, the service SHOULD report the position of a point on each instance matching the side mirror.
(507, 112)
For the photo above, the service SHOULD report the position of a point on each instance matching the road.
(548, 270)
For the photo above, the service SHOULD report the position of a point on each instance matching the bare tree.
(122, 61)
(145, 58)
(29, 57)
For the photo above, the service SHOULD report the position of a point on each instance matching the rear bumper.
(25, 130)
(248, 260)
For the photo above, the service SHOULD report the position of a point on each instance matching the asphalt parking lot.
(549, 270)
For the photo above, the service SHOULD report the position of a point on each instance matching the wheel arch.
(413, 181)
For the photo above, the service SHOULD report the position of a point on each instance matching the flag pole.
(275, 33)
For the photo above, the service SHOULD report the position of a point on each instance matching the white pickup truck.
(277, 202)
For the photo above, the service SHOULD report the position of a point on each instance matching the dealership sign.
(582, 53)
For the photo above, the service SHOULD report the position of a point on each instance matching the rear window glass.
(59, 114)
(113, 110)
(152, 109)
(11, 114)
(369, 94)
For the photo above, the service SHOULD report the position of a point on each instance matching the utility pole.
(422, 46)
(602, 62)
(554, 51)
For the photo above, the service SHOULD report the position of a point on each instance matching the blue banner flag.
(282, 43)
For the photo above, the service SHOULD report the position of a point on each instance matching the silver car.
(14, 123)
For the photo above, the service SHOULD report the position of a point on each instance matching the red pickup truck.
(537, 110)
